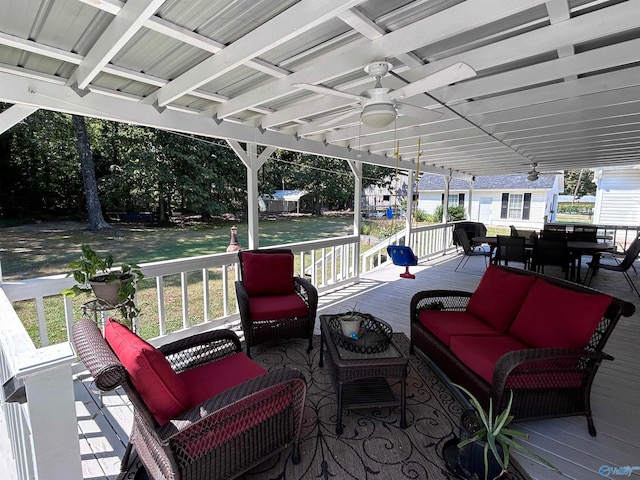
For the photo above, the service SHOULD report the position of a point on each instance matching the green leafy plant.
(494, 431)
(91, 267)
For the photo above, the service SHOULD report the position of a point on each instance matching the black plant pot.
(468, 462)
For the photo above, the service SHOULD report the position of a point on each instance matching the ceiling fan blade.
(344, 118)
(446, 76)
(418, 113)
(327, 91)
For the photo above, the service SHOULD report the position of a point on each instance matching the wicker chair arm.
(536, 361)
(443, 300)
(200, 349)
(308, 292)
(230, 404)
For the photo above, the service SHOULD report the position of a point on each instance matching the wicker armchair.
(220, 437)
(546, 382)
(274, 303)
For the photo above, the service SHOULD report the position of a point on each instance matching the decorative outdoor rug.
(372, 445)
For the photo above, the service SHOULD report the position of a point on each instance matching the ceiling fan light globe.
(532, 176)
(378, 115)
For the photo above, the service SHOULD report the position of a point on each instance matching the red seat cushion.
(216, 377)
(277, 306)
(445, 324)
(499, 297)
(555, 317)
(480, 354)
(162, 390)
(267, 273)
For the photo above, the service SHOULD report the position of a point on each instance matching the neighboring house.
(378, 199)
(617, 196)
(282, 201)
(500, 200)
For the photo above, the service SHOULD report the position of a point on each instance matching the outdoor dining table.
(576, 250)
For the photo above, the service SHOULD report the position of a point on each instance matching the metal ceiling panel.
(557, 80)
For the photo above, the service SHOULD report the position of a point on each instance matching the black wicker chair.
(221, 437)
(273, 302)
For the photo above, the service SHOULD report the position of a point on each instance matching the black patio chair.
(623, 267)
(470, 251)
(551, 253)
(512, 249)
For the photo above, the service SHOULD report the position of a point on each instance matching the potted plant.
(115, 285)
(483, 449)
(350, 323)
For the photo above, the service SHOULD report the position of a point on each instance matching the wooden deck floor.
(564, 442)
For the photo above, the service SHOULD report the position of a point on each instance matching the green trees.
(142, 169)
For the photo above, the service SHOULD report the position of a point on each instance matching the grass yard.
(43, 249)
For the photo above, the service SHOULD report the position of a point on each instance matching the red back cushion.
(499, 297)
(267, 273)
(161, 389)
(555, 317)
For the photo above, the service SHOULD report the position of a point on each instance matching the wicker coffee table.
(360, 379)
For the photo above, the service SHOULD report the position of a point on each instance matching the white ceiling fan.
(534, 174)
(379, 106)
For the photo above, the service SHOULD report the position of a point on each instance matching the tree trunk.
(87, 167)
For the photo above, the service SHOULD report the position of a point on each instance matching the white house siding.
(541, 202)
(618, 197)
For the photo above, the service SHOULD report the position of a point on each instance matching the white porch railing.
(426, 242)
(43, 428)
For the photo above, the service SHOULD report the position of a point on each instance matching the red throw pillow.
(267, 273)
(161, 389)
(555, 317)
(499, 297)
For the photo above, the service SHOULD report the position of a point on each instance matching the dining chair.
(584, 233)
(554, 235)
(470, 251)
(623, 267)
(512, 249)
(555, 227)
(551, 253)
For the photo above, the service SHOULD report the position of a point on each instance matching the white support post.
(470, 199)
(253, 162)
(356, 168)
(445, 202)
(408, 237)
(48, 380)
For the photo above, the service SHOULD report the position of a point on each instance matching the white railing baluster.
(205, 293)
(42, 322)
(161, 315)
(185, 299)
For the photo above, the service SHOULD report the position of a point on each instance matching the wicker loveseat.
(539, 336)
(202, 409)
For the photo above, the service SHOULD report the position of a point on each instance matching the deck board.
(565, 442)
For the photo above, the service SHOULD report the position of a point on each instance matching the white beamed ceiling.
(558, 81)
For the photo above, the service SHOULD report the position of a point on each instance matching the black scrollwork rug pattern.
(372, 445)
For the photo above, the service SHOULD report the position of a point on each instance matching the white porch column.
(410, 180)
(470, 198)
(356, 168)
(445, 201)
(253, 162)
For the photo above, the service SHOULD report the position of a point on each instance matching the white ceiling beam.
(293, 22)
(589, 61)
(57, 97)
(14, 115)
(189, 37)
(616, 19)
(122, 28)
(448, 23)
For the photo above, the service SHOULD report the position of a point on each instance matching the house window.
(454, 200)
(516, 206)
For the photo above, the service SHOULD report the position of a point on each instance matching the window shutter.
(461, 199)
(505, 205)
(526, 208)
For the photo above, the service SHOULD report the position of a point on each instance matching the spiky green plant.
(495, 431)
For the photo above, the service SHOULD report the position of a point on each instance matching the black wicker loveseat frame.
(528, 373)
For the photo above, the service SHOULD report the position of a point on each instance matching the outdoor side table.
(360, 379)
